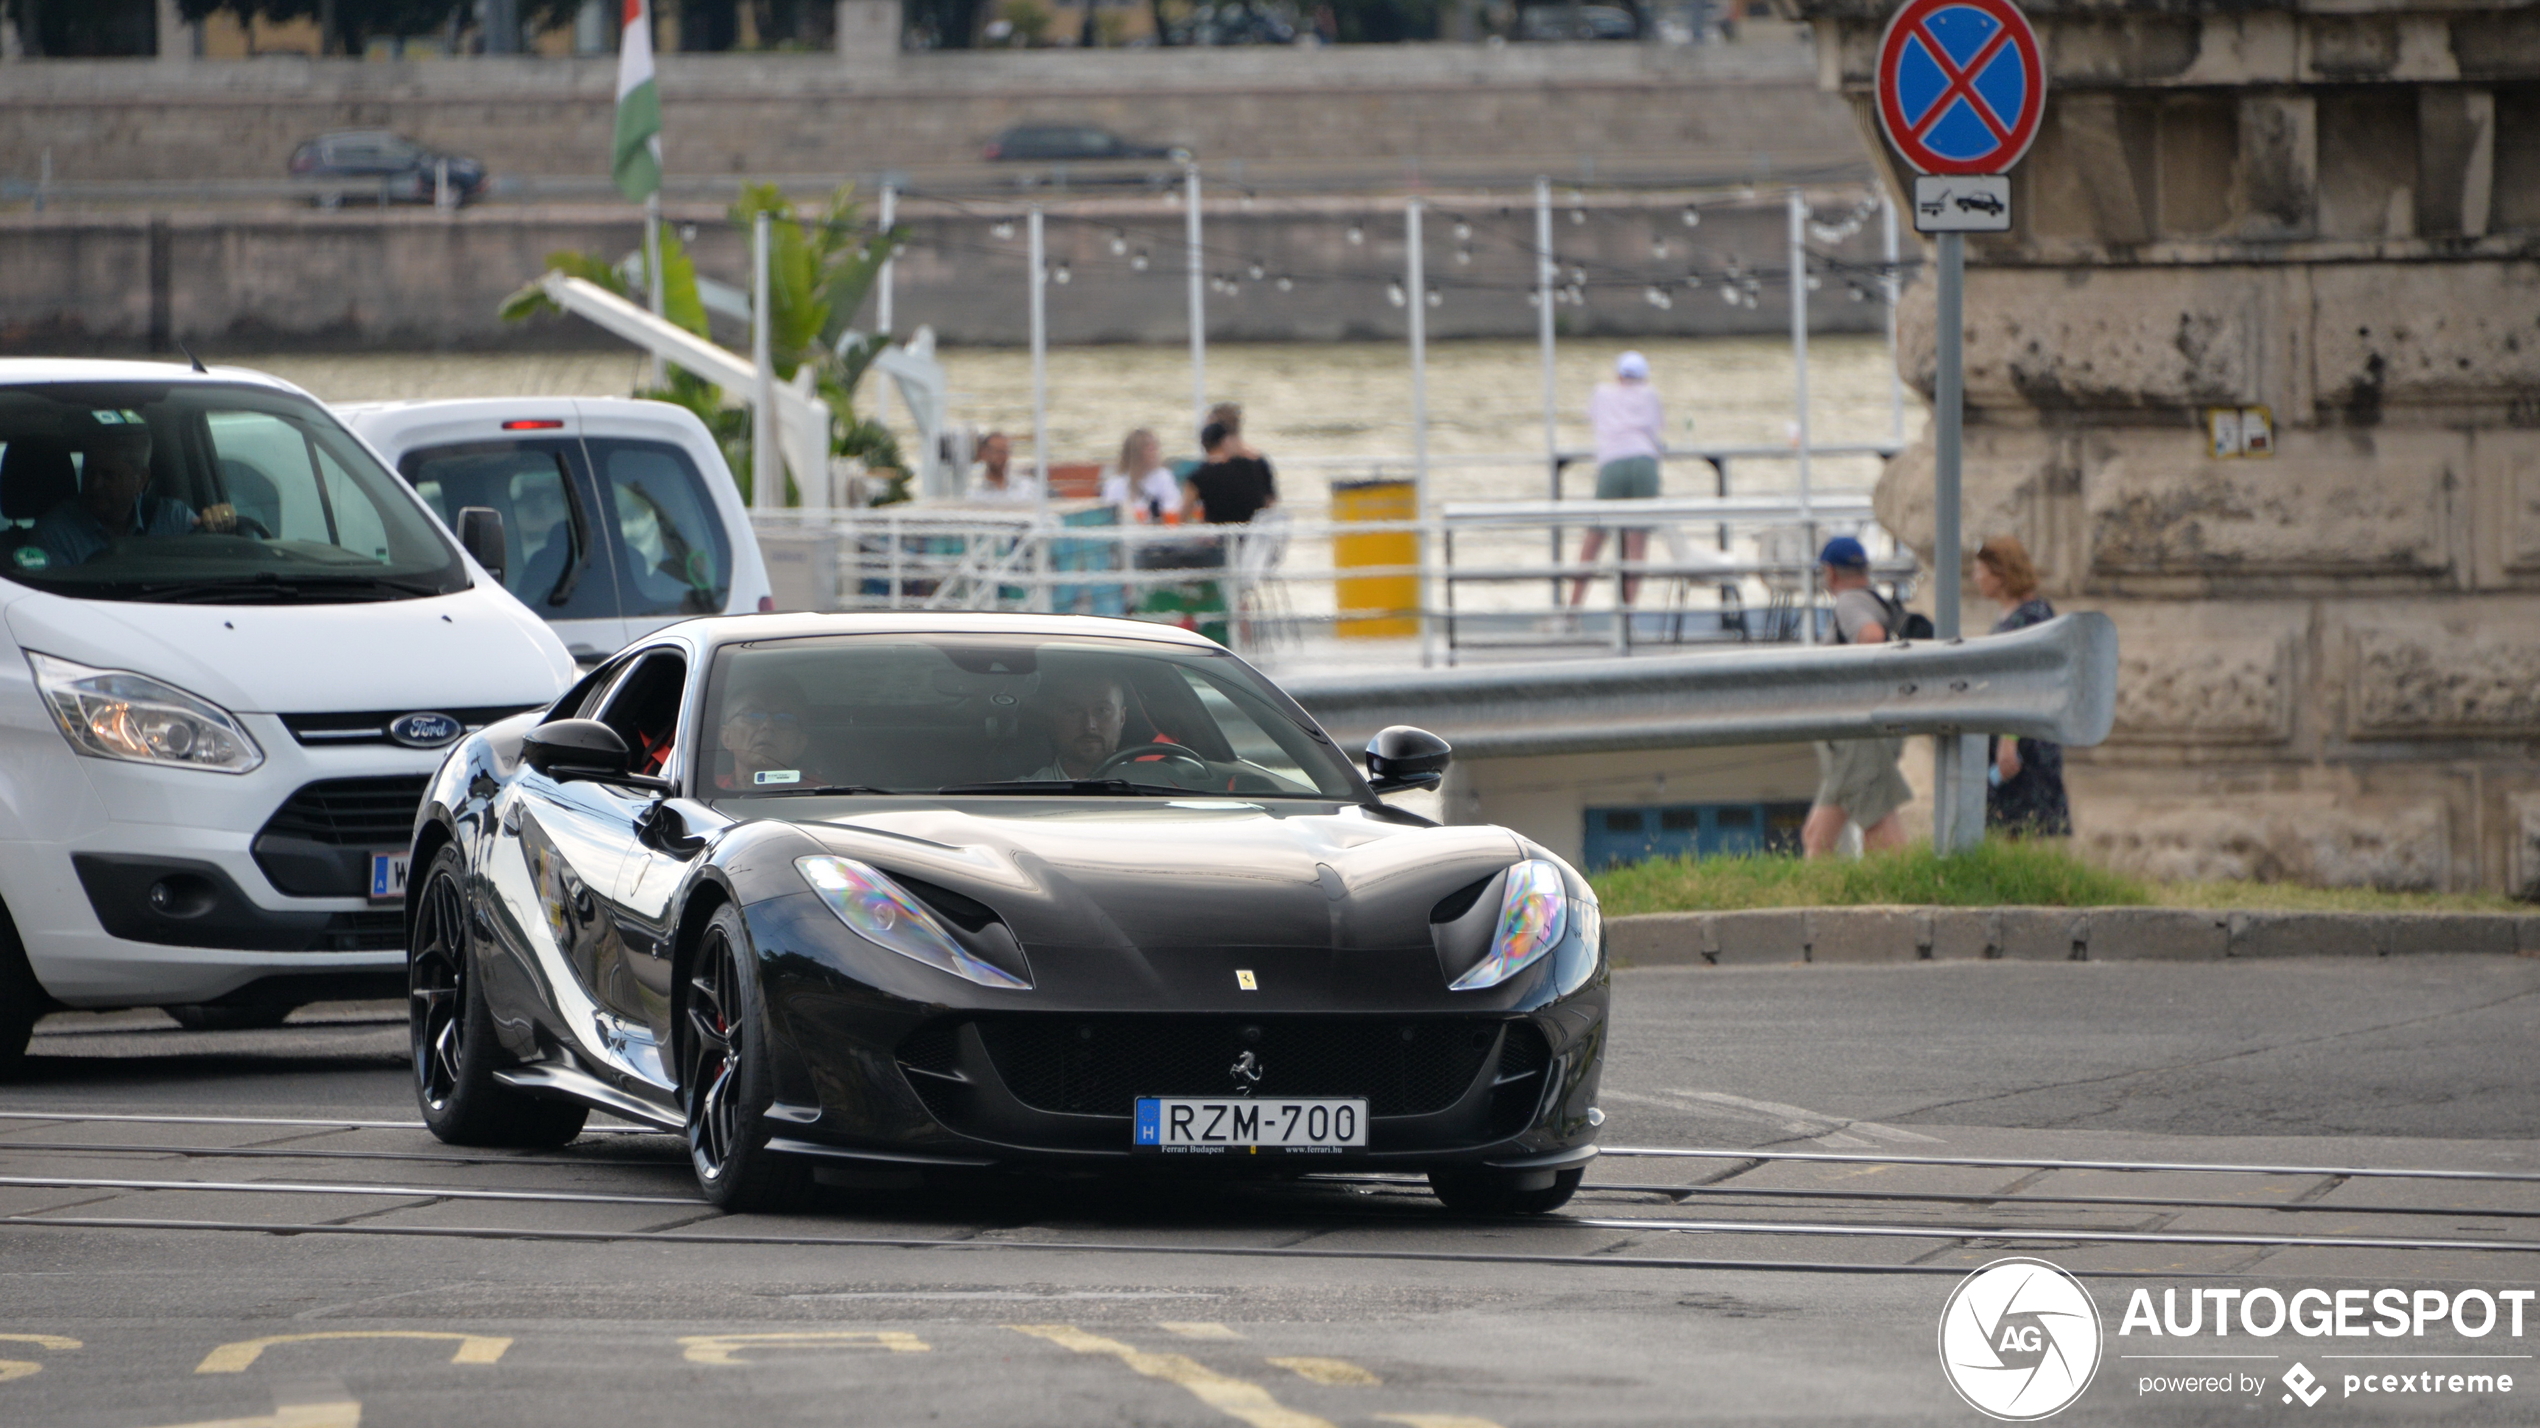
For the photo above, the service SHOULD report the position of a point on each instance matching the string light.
(1356, 235)
(1578, 215)
(1463, 257)
(1119, 244)
(1463, 231)
(1285, 283)
(1256, 270)
(1435, 297)
(1658, 249)
(1002, 230)
(1061, 275)
(1578, 277)
(1139, 263)
(1394, 295)
(1693, 216)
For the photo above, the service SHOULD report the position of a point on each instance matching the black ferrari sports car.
(851, 897)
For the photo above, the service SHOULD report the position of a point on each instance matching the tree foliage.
(820, 270)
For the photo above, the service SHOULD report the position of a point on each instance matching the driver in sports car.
(1086, 710)
(765, 730)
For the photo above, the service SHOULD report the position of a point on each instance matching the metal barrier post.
(1799, 365)
(767, 471)
(1547, 338)
(882, 280)
(1416, 299)
(1198, 298)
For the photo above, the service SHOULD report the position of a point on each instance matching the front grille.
(319, 842)
(371, 726)
(363, 932)
(351, 812)
(1099, 1065)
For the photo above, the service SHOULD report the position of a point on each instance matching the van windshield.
(204, 493)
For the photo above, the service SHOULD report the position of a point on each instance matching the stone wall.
(2332, 656)
(1379, 109)
(412, 278)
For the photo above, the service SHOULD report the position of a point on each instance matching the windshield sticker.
(778, 776)
(117, 418)
(31, 557)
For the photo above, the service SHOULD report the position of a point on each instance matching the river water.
(1321, 410)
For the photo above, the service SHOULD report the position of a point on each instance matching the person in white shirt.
(1142, 485)
(1630, 437)
(993, 486)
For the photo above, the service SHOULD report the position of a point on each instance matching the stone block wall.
(2332, 656)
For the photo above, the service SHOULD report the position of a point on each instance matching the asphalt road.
(1083, 1303)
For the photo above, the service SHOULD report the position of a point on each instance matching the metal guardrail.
(2055, 681)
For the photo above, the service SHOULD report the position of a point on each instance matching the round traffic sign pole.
(1960, 85)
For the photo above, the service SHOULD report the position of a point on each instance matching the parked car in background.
(377, 166)
(1070, 143)
(216, 722)
(619, 516)
(1576, 22)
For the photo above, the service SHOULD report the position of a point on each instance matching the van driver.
(113, 502)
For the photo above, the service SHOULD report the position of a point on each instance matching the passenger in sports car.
(766, 727)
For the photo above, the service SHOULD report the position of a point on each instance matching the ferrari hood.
(1155, 876)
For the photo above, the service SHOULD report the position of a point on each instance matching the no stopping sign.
(1960, 85)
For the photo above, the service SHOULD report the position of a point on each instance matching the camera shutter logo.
(2019, 1340)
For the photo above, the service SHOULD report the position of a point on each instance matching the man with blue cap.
(1857, 779)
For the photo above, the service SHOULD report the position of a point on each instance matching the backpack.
(1901, 623)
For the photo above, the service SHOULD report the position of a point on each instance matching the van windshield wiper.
(267, 587)
(1114, 787)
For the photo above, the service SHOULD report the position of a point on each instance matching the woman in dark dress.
(2026, 798)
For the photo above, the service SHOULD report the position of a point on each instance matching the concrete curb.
(1879, 935)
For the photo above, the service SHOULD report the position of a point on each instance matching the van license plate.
(1183, 1123)
(388, 876)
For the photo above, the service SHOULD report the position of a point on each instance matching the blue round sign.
(1960, 85)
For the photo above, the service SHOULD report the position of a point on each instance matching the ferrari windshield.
(208, 493)
(1006, 714)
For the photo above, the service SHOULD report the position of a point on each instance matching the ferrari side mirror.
(575, 748)
(1403, 757)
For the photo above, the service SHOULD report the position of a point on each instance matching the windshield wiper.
(796, 791)
(1109, 786)
(271, 587)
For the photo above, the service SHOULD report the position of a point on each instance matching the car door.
(557, 554)
(561, 849)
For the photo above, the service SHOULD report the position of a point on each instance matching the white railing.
(1471, 579)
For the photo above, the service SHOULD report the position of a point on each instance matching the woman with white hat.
(1630, 436)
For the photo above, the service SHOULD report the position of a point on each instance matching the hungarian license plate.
(388, 875)
(1187, 1124)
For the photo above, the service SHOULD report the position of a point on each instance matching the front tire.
(1504, 1192)
(451, 1031)
(725, 1080)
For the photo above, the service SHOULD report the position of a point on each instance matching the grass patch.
(1998, 873)
(2001, 873)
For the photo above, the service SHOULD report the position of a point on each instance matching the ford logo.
(424, 731)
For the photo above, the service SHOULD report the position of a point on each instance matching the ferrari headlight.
(875, 908)
(1534, 915)
(116, 714)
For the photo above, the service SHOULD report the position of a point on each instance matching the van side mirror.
(1403, 757)
(481, 532)
(575, 748)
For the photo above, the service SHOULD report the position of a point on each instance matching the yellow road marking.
(1196, 1329)
(1234, 1397)
(342, 1414)
(234, 1358)
(1436, 1420)
(20, 1368)
(1337, 1372)
(720, 1348)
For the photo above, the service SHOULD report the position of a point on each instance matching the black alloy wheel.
(1504, 1192)
(724, 1079)
(451, 1032)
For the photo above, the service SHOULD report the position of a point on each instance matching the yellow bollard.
(1376, 606)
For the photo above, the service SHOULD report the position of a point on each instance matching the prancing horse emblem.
(1247, 1073)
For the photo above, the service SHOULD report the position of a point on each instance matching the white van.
(619, 516)
(238, 645)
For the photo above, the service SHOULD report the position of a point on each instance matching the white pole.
(1799, 367)
(1199, 298)
(1040, 360)
(767, 469)
(1545, 272)
(652, 274)
(1889, 284)
(882, 287)
(1416, 299)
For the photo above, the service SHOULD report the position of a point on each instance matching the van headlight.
(1534, 916)
(116, 714)
(879, 911)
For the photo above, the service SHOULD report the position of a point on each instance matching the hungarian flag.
(636, 162)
